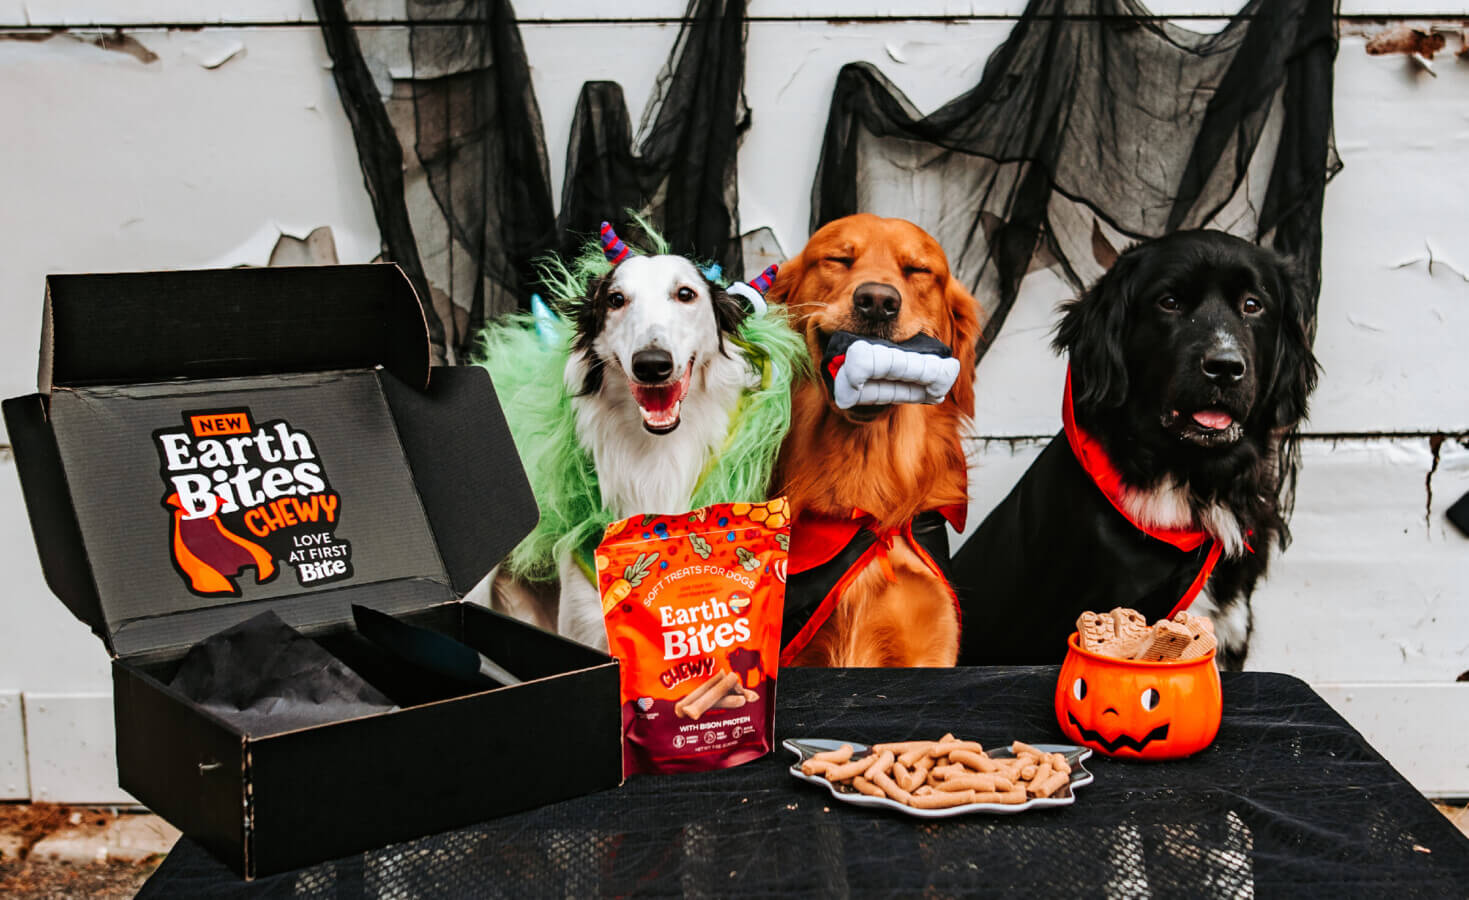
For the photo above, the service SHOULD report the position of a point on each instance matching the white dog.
(657, 368)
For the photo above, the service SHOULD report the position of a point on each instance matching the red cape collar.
(1093, 459)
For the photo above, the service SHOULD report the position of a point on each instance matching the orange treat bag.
(692, 605)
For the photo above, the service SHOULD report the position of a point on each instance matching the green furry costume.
(527, 370)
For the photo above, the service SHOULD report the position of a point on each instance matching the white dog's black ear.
(1092, 330)
(729, 310)
(589, 315)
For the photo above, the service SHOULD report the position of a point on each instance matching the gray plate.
(805, 748)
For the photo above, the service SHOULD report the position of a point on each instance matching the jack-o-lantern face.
(1145, 710)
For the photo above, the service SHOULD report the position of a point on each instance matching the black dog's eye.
(1253, 306)
(615, 300)
(1168, 303)
(844, 261)
(686, 295)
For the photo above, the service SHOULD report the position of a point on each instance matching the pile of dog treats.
(1126, 634)
(942, 773)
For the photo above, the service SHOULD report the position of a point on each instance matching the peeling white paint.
(211, 51)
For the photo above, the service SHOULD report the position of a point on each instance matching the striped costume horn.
(753, 291)
(762, 281)
(612, 246)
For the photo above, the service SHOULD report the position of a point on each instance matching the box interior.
(525, 651)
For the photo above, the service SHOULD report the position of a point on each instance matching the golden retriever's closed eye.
(887, 279)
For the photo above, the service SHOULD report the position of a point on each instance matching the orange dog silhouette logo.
(245, 495)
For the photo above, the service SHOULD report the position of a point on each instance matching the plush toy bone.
(868, 371)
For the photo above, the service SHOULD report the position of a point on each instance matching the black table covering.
(1290, 801)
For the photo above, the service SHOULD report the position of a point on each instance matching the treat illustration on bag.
(242, 495)
(693, 604)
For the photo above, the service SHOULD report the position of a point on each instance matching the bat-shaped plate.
(805, 748)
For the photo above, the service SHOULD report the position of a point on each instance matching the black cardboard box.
(206, 446)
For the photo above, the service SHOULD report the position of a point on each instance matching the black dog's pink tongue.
(1213, 419)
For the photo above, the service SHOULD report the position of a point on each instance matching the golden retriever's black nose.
(1224, 365)
(652, 366)
(877, 302)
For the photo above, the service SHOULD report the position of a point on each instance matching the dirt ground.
(1458, 813)
(78, 834)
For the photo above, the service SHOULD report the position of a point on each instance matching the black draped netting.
(682, 175)
(476, 206)
(475, 209)
(1289, 801)
(1093, 126)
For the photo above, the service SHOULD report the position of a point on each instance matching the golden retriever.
(876, 465)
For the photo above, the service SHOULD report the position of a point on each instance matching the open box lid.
(138, 327)
(209, 445)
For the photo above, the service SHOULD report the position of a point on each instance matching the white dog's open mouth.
(660, 403)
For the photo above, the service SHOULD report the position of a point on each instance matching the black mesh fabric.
(468, 120)
(1288, 802)
(1094, 125)
(475, 131)
(681, 176)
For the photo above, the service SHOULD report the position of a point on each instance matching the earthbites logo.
(246, 495)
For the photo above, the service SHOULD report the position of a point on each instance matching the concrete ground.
(50, 851)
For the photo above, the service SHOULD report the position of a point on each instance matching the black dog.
(1190, 367)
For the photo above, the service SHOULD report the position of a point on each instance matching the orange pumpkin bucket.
(1133, 709)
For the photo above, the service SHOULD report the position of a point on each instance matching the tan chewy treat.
(1168, 641)
(943, 800)
(867, 787)
(968, 783)
(839, 755)
(816, 766)
(940, 780)
(1124, 634)
(1051, 785)
(1201, 632)
(1095, 630)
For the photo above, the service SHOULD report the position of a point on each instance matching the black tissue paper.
(264, 677)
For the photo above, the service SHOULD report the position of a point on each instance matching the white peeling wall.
(233, 135)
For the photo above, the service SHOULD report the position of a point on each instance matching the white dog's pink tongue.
(1213, 419)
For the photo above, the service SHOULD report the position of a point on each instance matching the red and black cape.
(1060, 545)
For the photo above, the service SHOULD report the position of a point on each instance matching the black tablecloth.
(1289, 801)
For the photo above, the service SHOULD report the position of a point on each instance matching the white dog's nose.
(652, 366)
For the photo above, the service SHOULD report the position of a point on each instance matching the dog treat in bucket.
(1134, 690)
(692, 604)
(1125, 634)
